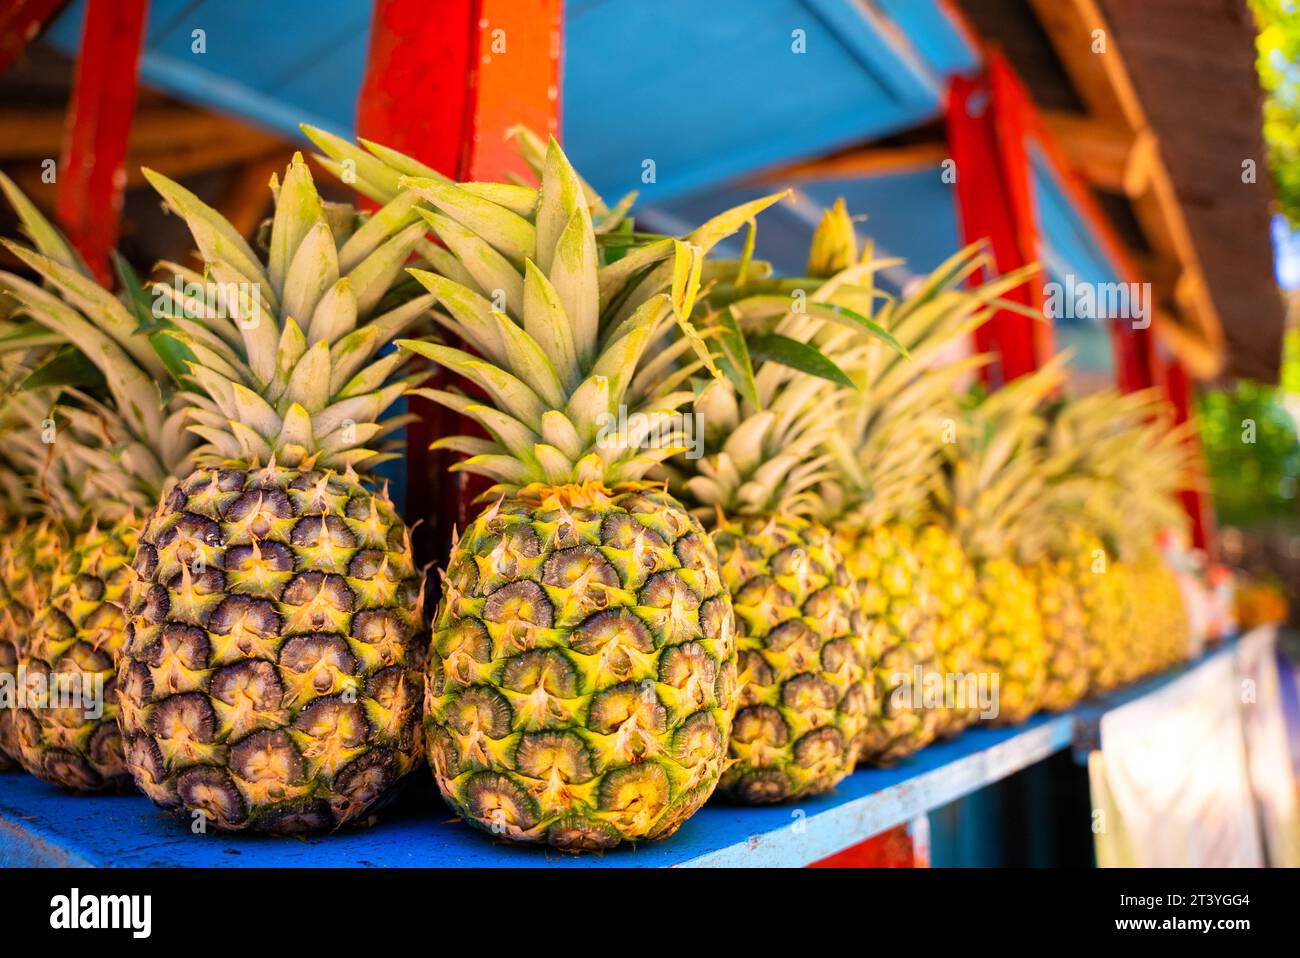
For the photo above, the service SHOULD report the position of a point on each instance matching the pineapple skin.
(270, 677)
(948, 580)
(1065, 632)
(582, 675)
(1014, 647)
(1163, 626)
(1107, 604)
(76, 638)
(900, 630)
(805, 704)
(26, 565)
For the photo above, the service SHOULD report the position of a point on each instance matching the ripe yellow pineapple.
(804, 704)
(582, 675)
(1119, 466)
(270, 677)
(948, 577)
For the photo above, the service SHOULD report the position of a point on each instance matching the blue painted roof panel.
(909, 214)
(706, 93)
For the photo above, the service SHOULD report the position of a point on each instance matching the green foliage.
(1252, 450)
(1278, 62)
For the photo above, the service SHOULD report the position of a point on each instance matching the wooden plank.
(1108, 155)
(875, 161)
(92, 176)
(155, 129)
(40, 825)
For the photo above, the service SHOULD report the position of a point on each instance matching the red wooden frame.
(987, 211)
(893, 848)
(444, 82)
(92, 175)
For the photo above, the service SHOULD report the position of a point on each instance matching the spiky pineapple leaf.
(840, 313)
(138, 300)
(175, 355)
(773, 347)
(67, 368)
(736, 362)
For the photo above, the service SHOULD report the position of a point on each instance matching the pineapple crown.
(556, 322)
(117, 452)
(283, 356)
(1115, 464)
(762, 458)
(994, 471)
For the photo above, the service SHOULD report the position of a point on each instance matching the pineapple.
(805, 705)
(270, 676)
(97, 465)
(71, 625)
(948, 581)
(582, 674)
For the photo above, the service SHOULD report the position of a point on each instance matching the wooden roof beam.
(1109, 155)
(1081, 37)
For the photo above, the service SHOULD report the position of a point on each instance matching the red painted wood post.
(92, 177)
(1196, 502)
(20, 22)
(987, 212)
(890, 849)
(444, 82)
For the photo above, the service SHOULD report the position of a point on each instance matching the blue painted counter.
(41, 826)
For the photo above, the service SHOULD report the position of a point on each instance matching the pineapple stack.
(1119, 466)
(97, 465)
(994, 475)
(915, 581)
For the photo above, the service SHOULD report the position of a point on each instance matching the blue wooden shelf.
(41, 826)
